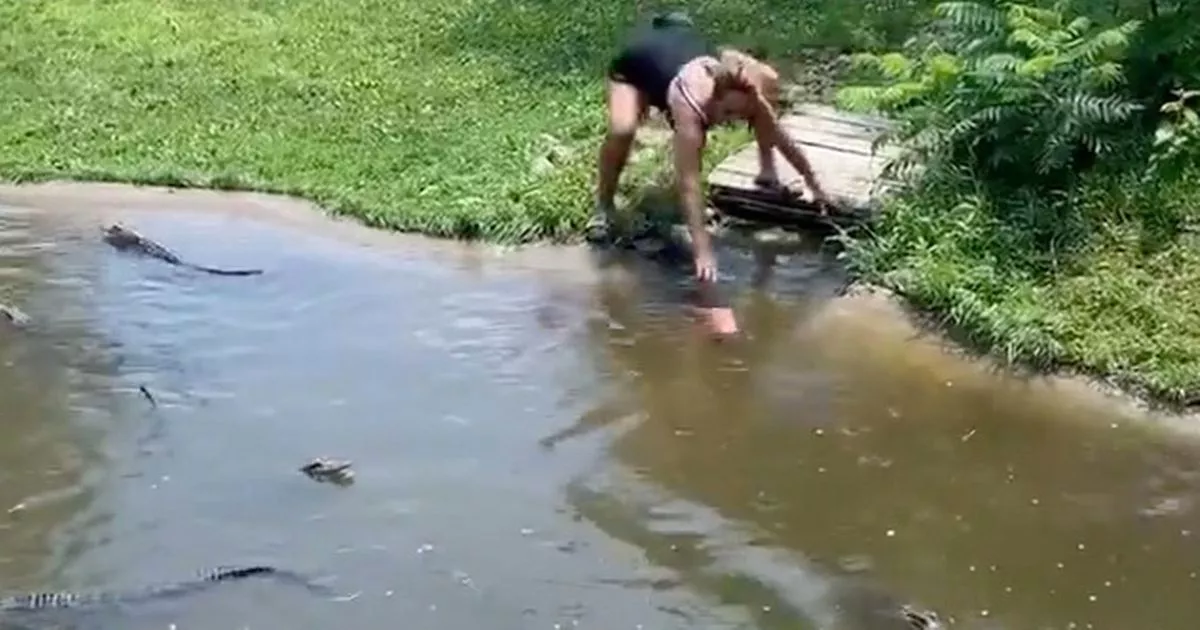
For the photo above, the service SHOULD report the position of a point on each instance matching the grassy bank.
(465, 118)
(1049, 226)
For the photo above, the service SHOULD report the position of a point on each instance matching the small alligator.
(126, 239)
(33, 602)
(14, 315)
(333, 470)
(862, 604)
(921, 619)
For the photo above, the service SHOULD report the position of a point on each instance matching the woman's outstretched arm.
(766, 126)
(689, 143)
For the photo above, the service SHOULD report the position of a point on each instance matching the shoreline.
(104, 198)
(876, 309)
(924, 327)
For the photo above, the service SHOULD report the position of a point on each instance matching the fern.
(971, 16)
(1021, 95)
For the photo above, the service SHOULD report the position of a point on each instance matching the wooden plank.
(839, 146)
(866, 121)
(850, 185)
(825, 162)
(852, 176)
(856, 146)
(851, 133)
(848, 134)
(769, 208)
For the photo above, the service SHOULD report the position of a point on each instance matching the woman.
(668, 64)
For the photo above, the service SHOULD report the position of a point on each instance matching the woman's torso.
(656, 54)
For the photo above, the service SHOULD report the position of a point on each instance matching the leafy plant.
(1166, 54)
(1025, 97)
(1177, 140)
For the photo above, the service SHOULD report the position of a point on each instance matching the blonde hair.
(739, 71)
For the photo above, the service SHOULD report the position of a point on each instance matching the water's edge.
(888, 310)
(1129, 402)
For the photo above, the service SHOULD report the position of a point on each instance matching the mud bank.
(886, 332)
(886, 324)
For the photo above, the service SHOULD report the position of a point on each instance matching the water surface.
(542, 440)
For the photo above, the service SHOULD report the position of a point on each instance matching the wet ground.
(542, 440)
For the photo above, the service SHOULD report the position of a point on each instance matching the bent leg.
(626, 109)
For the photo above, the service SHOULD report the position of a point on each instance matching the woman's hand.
(706, 265)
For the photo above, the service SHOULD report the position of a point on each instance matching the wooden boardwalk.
(837, 144)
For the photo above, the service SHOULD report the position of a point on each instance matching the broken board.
(839, 147)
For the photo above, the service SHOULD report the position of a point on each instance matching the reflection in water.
(53, 401)
(968, 493)
(536, 447)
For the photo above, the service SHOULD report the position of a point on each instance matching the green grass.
(415, 116)
(1122, 303)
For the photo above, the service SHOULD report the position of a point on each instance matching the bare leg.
(626, 108)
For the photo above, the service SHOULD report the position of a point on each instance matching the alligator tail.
(227, 272)
(221, 574)
(226, 574)
(46, 601)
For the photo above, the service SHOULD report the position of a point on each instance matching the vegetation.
(1051, 183)
(464, 118)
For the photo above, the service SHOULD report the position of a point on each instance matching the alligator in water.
(921, 619)
(14, 316)
(126, 239)
(863, 604)
(333, 470)
(33, 602)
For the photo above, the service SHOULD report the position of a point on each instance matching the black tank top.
(655, 54)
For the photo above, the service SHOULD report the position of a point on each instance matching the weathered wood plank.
(770, 207)
(839, 146)
(848, 178)
(867, 122)
(839, 131)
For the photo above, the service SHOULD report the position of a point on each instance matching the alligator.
(921, 619)
(334, 470)
(126, 239)
(862, 604)
(32, 602)
(14, 315)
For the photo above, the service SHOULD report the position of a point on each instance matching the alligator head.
(324, 469)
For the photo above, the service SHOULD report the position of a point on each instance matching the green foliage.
(1019, 94)
(1177, 140)
(1044, 220)
(1165, 57)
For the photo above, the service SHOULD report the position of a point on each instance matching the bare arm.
(689, 142)
(768, 129)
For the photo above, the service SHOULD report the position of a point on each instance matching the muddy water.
(542, 440)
